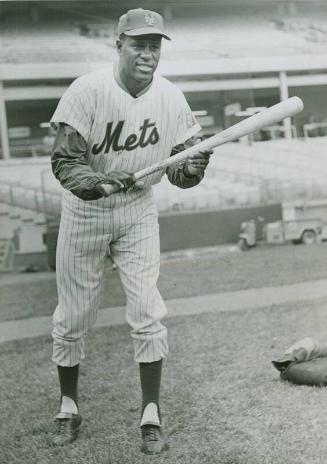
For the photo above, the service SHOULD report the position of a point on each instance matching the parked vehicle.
(306, 231)
(247, 238)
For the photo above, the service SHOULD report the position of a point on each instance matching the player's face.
(139, 57)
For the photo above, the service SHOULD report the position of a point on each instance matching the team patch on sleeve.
(190, 118)
(187, 125)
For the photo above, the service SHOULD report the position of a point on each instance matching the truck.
(306, 231)
(303, 221)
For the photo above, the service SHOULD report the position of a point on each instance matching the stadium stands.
(239, 175)
(52, 42)
(229, 35)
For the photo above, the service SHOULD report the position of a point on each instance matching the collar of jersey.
(121, 85)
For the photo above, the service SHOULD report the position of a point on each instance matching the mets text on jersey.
(148, 135)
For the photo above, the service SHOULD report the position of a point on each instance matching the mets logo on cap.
(149, 19)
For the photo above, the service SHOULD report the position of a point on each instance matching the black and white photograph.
(163, 231)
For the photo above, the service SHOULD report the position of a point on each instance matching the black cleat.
(67, 429)
(154, 441)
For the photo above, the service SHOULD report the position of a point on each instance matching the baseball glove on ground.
(304, 363)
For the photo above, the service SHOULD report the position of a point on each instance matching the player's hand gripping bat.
(264, 118)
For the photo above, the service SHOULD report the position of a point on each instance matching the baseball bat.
(267, 117)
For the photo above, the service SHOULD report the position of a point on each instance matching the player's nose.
(146, 52)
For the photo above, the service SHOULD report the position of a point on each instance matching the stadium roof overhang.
(191, 76)
(172, 69)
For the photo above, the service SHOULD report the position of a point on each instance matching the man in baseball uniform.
(111, 123)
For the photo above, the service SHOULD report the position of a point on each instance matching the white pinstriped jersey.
(123, 132)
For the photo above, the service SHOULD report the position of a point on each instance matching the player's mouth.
(145, 68)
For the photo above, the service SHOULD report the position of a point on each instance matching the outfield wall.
(211, 228)
(193, 230)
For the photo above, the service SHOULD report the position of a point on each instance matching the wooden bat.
(267, 117)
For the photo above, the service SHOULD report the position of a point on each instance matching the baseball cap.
(141, 22)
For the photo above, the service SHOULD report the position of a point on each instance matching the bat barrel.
(267, 117)
(282, 110)
(296, 105)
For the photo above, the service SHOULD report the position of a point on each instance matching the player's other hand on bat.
(196, 164)
(122, 180)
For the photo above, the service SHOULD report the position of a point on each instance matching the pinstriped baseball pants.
(85, 232)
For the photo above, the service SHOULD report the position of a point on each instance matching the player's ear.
(119, 43)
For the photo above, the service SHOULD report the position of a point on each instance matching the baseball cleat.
(67, 429)
(154, 441)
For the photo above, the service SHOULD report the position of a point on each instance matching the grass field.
(28, 295)
(222, 400)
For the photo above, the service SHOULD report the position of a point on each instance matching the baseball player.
(111, 123)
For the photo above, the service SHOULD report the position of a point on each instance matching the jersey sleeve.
(70, 167)
(187, 126)
(76, 108)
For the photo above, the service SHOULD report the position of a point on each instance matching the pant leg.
(81, 251)
(137, 255)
